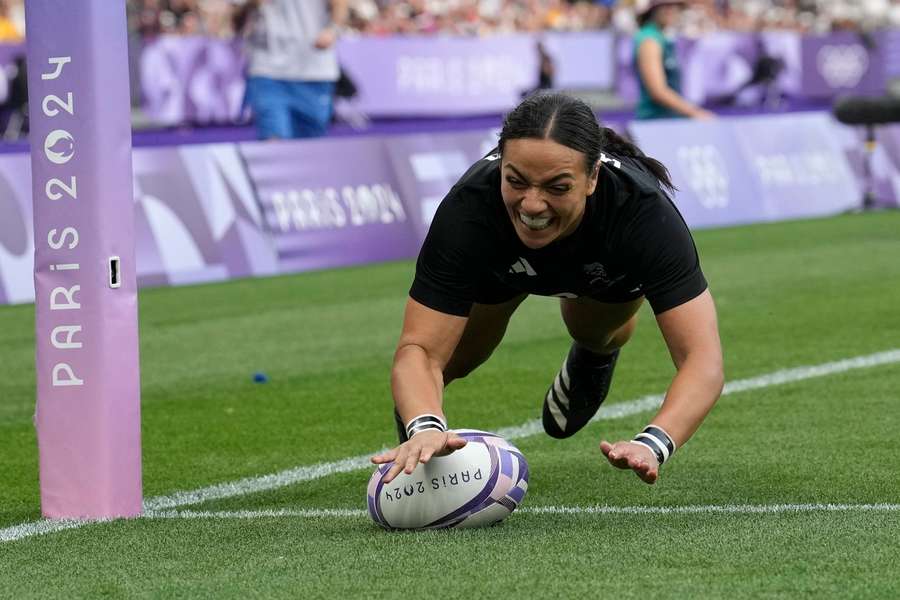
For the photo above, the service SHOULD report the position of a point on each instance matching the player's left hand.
(628, 455)
(326, 38)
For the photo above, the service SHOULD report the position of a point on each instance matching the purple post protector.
(88, 388)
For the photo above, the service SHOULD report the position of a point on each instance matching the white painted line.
(731, 509)
(252, 485)
(17, 532)
(312, 513)
(739, 509)
(823, 370)
(621, 410)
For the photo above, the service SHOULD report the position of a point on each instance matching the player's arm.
(662, 251)
(426, 344)
(692, 336)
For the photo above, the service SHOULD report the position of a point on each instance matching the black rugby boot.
(578, 390)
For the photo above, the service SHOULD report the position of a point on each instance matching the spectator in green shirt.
(656, 64)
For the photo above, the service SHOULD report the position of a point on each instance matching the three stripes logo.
(522, 266)
(558, 398)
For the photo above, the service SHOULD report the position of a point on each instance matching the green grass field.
(789, 295)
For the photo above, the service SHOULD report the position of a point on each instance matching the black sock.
(583, 354)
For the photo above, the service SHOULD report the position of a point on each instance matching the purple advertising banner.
(191, 80)
(714, 187)
(440, 76)
(428, 165)
(16, 233)
(216, 212)
(886, 167)
(797, 163)
(201, 80)
(719, 68)
(8, 55)
(715, 69)
(330, 203)
(842, 62)
(461, 75)
(582, 60)
(883, 163)
(730, 68)
(717, 65)
(197, 218)
(889, 48)
(752, 169)
(88, 374)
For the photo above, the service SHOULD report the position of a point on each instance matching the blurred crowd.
(484, 17)
(12, 21)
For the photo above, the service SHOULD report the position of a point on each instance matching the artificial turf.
(788, 294)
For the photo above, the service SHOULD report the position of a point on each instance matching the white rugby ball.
(476, 486)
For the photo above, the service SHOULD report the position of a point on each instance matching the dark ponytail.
(571, 122)
(619, 146)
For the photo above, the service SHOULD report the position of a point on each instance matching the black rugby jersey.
(631, 242)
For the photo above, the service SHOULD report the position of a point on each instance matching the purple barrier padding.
(444, 75)
(887, 165)
(797, 163)
(714, 186)
(884, 163)
(752, 169)
(8, 55)
(626, 81)
(582, 60)
(720, 65)
(197, 218)
(192, 80)
(16, 232)
(10, 52)
(841, 62)
(815, 67)
(428, 165)
(712, 67)
(330, 203)
(201, 80)
(786, 46)
(88, 382)
(889, 45)
(716, 65)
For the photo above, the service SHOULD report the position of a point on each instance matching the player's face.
(545, 186)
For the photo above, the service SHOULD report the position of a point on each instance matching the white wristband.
(657, 441)
(424, 423)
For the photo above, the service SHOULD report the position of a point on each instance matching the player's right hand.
(419, 449)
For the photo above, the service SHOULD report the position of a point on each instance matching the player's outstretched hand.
(628, 455)
(417, 450)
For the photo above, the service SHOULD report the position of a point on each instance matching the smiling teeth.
(534, 223)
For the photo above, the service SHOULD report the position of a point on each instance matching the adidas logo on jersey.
(522, 266)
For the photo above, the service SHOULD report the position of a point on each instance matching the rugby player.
(566, 208)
